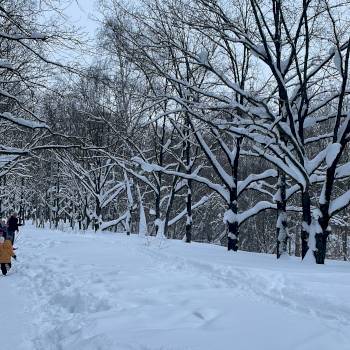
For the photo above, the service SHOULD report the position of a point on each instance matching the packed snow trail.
(113, 292)
(14, 315)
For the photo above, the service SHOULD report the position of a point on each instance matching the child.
(6, 253)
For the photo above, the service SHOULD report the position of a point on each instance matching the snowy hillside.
(113, 292)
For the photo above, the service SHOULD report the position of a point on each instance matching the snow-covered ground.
(113, 292)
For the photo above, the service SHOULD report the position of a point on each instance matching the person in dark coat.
(12, 227)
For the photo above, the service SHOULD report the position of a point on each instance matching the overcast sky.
(81, 13)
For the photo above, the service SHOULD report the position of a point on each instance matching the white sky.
(81, 13)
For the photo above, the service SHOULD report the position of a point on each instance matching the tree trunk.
(98, 216)
(189, 182)
(233, 226)
(321, 238)
(306, 204)
(232, 239)
(321, 247)
(157, 220)
(282, 222)
(345, 244)
(57, 204)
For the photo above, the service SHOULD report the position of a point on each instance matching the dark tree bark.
(189, 182)
(233, 226)
(282, 223)
(306, 205)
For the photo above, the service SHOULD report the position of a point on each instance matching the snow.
(229, 217)
(107, 224)
(226, 178)
(194, 206)
(203, 57)
(337, 61)
(143, 227)
(313, 230)
(257, 208)
(147, 167)
(259, 50)
(109, 291)
(5, 63)
(284, 65)
(38, 36)
(312, 164)
(23, 122)
(310, 122)
(344, 126)
(281, 218)
(343, 170)
(242, 185)
(339, 203)
(7, 159)
(14, 314)
(159, 223)
(332, 152)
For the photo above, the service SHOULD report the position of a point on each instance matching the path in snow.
(112, 292)
(13, 313)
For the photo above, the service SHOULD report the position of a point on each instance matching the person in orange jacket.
(6, 253)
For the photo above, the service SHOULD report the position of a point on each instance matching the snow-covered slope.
(112, 292)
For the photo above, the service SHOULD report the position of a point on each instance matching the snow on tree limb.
(242, 185)
(182, 214)
(23, 122)
(339, 203)
(108, 224)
